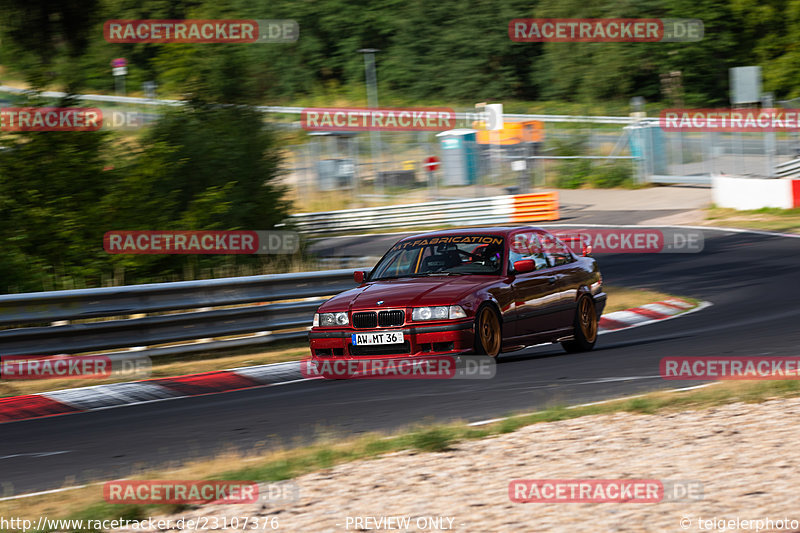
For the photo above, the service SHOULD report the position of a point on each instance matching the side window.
(556, 251)
(527, 246)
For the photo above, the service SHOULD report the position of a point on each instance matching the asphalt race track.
(752, 280)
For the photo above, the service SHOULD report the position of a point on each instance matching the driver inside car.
(492, 256)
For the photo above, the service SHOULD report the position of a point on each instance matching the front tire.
(585, 327)
(488, 332)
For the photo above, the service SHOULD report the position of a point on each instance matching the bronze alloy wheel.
(585, 327)
(488, 332)
(588, 319)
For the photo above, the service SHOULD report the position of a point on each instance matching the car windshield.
(442, 255)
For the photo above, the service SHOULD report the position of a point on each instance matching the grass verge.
(770, 219)
(619, 298)
(277, 465)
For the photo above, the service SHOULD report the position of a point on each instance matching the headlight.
(333, 319)
(441, 312)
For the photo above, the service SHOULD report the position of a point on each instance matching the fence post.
(769, 137)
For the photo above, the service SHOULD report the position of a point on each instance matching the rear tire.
(488, 332)
(585, 327)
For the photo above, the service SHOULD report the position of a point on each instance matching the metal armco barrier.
(788, 169)
(519, 208)
(189, 323)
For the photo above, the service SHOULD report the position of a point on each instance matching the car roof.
(495, 230)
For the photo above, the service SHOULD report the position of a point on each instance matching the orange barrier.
(530, 131)
(535, 207)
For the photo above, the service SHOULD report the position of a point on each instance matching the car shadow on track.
(547, 351)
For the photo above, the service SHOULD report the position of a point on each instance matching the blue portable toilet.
(459, 156)
(648, 144)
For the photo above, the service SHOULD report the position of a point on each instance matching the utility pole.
(372, 101)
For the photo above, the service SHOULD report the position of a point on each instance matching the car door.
(536, 294)
(565, 268)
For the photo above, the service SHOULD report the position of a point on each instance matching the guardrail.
(788, 169)
(200, 314)
(469, 115)
(518, 208)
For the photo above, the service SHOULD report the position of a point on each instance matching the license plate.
(384, 337)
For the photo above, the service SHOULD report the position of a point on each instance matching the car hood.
(408, 292)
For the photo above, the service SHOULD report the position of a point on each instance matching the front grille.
(384, 319)
(381, 349)
(365, 320)
(391, 318)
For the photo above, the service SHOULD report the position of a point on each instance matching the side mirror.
(359, 276)
(587, 250)
(524, 266)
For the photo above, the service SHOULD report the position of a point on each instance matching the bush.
(576, 173)
(613, 174)
(573, 173)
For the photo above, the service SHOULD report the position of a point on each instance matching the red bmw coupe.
(469, 291)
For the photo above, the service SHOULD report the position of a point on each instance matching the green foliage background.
(448, 50)
(200, 167)
(208, 166)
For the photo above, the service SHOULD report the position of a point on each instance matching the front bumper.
(420, 340)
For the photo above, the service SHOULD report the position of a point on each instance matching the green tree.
(201, 167)
(596, 71)
(444, 51)
(46, 40)
(51, 185)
